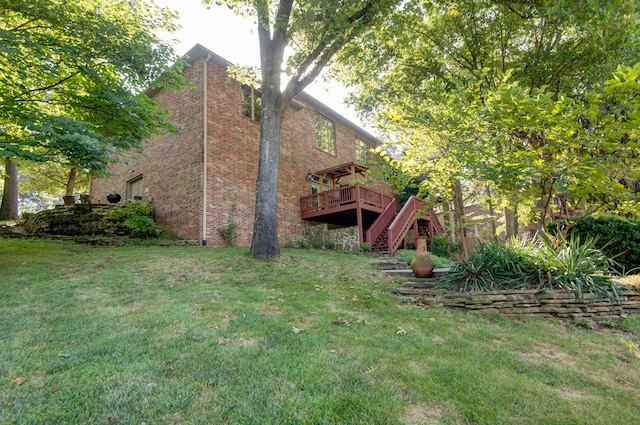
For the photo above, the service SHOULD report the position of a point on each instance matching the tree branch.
(281, 25)
(49, 87)
(22, 25)
(326, 48)
(264, 34)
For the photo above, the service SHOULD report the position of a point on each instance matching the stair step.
(409, 273)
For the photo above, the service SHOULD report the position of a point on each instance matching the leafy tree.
(314, 31)
(505, 91)
(72, 75)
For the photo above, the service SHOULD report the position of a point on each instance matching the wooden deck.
(332, 205)
(373, 212)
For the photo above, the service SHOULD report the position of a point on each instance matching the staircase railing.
(381, 222)
(402, 223)
(437, 226)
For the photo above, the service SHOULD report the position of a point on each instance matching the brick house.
(197, 178)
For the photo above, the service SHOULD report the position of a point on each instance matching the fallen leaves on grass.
(297, 330)
(340, 321)
(18, 381)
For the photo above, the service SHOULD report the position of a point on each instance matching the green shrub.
(141, 227)
(229, 232)
(365, 247)
(133, 216)
(617, 237)
(442, 246)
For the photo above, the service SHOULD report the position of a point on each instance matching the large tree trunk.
(71, 181)
(264, 243)
(511, 218)
(9, 205)
(492, 214)
(458, 206)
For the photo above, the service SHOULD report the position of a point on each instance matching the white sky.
(233, 37)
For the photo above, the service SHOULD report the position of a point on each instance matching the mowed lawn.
(153, 335)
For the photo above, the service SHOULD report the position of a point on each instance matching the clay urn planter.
(422, 265)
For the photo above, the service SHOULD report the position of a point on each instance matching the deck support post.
(359, 217)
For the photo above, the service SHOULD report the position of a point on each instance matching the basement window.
(325, 134)
(251, 103)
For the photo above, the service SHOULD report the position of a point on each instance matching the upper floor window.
(251, 103)
(362, 151)
(325, 134)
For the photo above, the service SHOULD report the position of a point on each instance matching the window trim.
(364, 145)
(136, 179)
(333, 142)
(255, 113)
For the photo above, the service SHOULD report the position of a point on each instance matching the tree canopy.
(72, 75)
(517, 94)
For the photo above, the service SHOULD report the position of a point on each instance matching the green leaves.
(71, 76)
(510, 94)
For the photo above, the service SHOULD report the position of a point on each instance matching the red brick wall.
(172, 165)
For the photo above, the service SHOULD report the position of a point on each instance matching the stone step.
(409, 273)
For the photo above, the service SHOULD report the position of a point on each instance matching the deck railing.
(402, 223)
(342, 197)
(381, 222)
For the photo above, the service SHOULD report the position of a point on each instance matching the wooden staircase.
(381, 244)
(390, 229)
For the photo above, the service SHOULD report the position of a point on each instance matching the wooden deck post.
(359, 217)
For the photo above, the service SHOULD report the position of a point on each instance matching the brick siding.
(172, 164)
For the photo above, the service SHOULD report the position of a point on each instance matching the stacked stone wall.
(342, 239)
(528, 302)
(71, 220)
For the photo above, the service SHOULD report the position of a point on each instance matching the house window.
(325, 135)
(251, 103)
(134, 188)
(362, 151)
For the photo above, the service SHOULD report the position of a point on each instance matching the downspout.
(204, 155)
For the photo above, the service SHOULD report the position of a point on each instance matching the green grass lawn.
(133, 335)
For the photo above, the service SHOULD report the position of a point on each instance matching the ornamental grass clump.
(493, 266)
(573, 265)
(578, 267)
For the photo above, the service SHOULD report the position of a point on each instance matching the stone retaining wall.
(342, 239)
(527, 302)
(72, 220)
